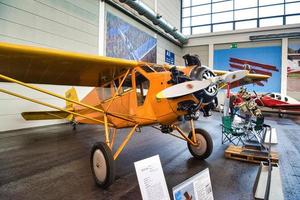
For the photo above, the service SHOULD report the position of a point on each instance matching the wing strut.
(51, 106)
(62, 97)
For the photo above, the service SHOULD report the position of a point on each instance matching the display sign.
(169, 57)
(198, 187)
(233, 45)
(151, 179)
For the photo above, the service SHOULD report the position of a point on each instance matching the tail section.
(71, 94)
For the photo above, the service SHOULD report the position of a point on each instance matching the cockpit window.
(272, 95)
(158, 68)
(142, 86)
(147, 69)
(278, 97)
(286, 99)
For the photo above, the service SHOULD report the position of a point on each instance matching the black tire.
(281, 115)
(202, 136)
(103, 153)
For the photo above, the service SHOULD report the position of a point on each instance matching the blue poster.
(169, 57)
(258, 60)
(126, 41)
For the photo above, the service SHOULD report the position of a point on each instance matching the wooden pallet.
(249, 155)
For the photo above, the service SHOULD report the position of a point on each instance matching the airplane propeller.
(190, 87)
(234, 76)
(184, 88)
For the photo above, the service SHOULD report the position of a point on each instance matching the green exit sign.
(233, 45)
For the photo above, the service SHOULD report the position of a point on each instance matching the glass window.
(246, 24)
(201, 29)
(198, 2)
(147, 68)
(269, 2)
(244, 4)
(271, 11)
(186, 22)
(203, 16)
(142, 86)
(158, 68)
(186, 12)
(271, 22)
(186, 31)
(200, 10)
(204, 19)
(127, 85)
(222, 17)
(223, 27)
(217, 0)
(245, 14)
(293, 19)
(292, 8)
(222, 6)
(186, 3)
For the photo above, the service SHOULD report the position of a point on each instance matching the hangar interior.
(50, 159)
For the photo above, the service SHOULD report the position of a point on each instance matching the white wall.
(67, 25)
(201, 51)
(170, 11)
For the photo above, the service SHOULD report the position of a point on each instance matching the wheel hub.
(201, 146)
(99, 165)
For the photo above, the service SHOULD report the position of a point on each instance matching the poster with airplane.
(293, 70)
(258, 60)
(126, 41)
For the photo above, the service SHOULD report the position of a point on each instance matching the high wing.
(248, 79)
(295, 107)
(49, 66)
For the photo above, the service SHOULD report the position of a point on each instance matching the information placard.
(169, 57)
(151, 179)
(197, 187)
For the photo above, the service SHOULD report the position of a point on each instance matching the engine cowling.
(202, 73)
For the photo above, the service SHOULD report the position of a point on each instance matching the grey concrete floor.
(53, 162)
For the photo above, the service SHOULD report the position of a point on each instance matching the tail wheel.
(281, 115)
(102, 164)
(204, 144)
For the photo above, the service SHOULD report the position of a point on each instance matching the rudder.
(71, 94)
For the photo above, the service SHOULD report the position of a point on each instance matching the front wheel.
(102, 164)
(204, 144)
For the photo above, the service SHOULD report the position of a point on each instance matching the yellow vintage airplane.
(126, 94)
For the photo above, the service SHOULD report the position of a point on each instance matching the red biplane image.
(252, 67)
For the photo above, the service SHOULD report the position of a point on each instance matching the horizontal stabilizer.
(44, 115)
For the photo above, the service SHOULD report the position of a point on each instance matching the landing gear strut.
(204, 144)
(103, 159)
(199, 141)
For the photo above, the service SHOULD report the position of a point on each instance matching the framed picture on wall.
(257, 60)
(293, 69)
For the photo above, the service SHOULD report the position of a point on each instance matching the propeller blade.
(234, 76)
(182, 89)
